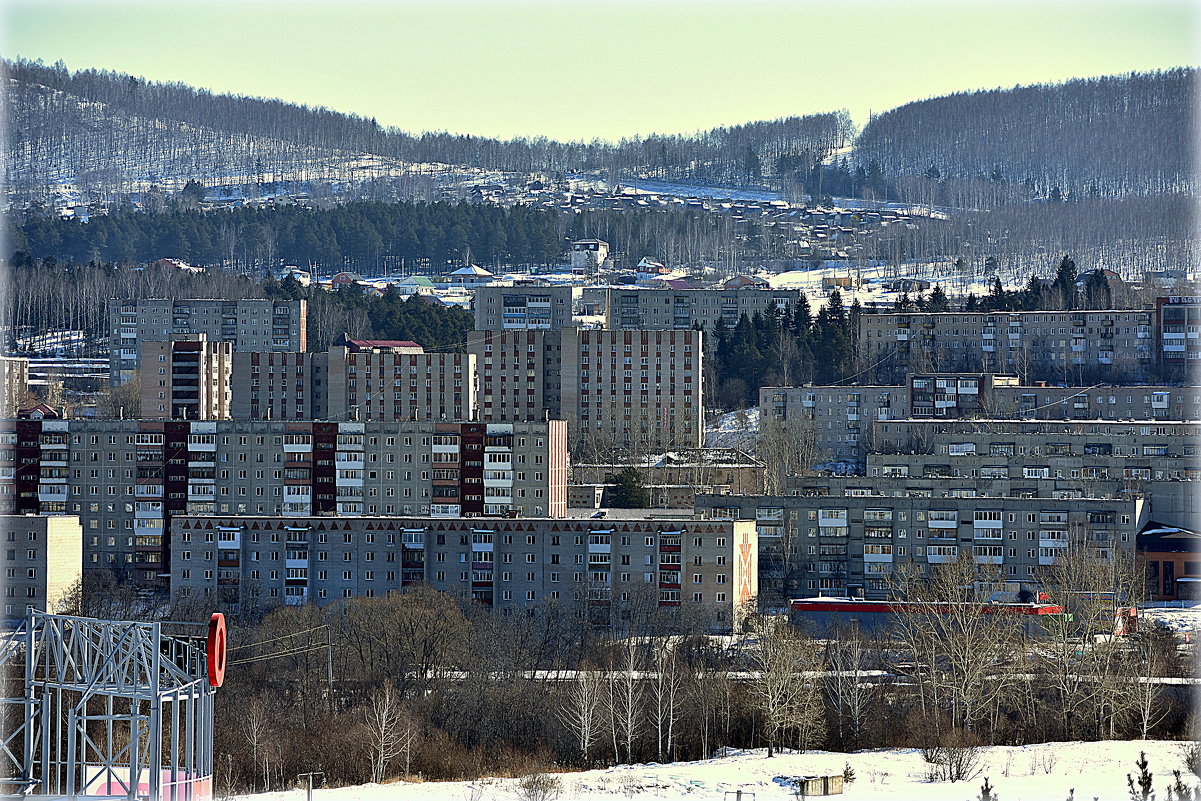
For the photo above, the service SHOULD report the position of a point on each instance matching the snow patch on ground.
(1179, 616)
(1042, 772)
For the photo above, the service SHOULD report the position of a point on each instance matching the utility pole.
(308, 777)
(329, 666)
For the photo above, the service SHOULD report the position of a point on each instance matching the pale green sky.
(577, 70)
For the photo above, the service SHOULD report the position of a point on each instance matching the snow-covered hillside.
(734, 430)
(1045, 772)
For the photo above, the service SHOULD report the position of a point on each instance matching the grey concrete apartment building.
(519, 373)
(1060, 346)
(707, 566)
(635, 308)
(843, 416)
(126, 479)
(249, 324)
(1137, 450)
(633, 389)
(186, 378)
(43, 562)
(524, 307)
(851, 544)
(280, 386)
(380, 380)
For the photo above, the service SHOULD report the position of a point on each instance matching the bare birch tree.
(389, 733)
(581, 710)
(788, 688)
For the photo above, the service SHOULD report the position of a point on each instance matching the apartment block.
(186, 378)
(1179, 327)
(709, 567)
(126, 479)
(249, 324)
(852, 544)
(14, 383)
(840, 417)
(43, 562)
(1100, 402)
(632, 308)
(524, 307)
(1062, 347)
(633, 389)
(843, 416)
(1134, 452)
(519, 374)
(385, 380)
(280, 386)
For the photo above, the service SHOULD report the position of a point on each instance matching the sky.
(585, 69)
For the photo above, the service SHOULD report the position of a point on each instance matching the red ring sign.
(215, 649)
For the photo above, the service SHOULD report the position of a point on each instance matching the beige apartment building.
(638, 390)
(249, 324)
(186, 378)
(706, 568)
(43, 562)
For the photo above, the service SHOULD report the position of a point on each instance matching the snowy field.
(1047, 772)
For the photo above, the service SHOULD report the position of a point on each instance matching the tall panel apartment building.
(248, 324)
(386, 380)
(279, 386)
(709, 567)
(43, 562)
(678, 309)
(524, 307)
(186, 378)
(126, 479)
(633, 389)
(1061, 346)
(519, 372)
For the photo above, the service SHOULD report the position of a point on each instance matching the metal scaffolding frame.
(113, 709)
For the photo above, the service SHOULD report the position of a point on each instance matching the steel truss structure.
(110, 709)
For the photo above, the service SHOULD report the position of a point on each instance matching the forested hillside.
(67, 123)
(1112, 136)
(355, 235)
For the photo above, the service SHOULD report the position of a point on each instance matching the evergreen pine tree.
(831, 341)
(938, 300)
(628, 491)
(1065, 282)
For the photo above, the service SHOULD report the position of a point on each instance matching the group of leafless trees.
(111, 127)
(427, 684)
(1117, 135)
